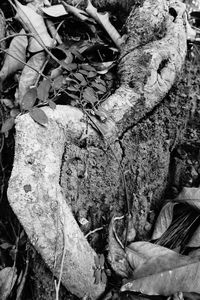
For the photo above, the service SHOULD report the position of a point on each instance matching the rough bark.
(137, 130)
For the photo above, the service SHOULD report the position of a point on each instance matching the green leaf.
(103, 277)
(88, 67)
(92, 74)
(79, 76)
(99, 87)
(29, 99)
(7, 125)
(38, 115)
(52, 104)
(58, 82)
(89, 95)
(43, 90)
(71, 67)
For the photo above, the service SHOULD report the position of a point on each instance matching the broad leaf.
(29, 99)
(139, 252)
(34, 23)
(8, 277)
(164, 220)
(166, 275)
(39, 116)
(195, 239)
(55, 10)
(7, 125)
(15, 56)
(43, 89)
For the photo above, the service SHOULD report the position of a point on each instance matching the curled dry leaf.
(164, 220)
(81, 14)
(29, 76)
(54, 33)
(103, 20)
(166, 275)
(55, 11)
(117, 255)
(34, 23)
(15, 57)
(8, 277)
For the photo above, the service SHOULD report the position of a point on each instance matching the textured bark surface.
(59, 166)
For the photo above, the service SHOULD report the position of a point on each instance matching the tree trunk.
(60, 171)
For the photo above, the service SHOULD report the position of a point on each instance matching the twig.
(26, 64)
(22, 283)
(93, 231)
(57, 285)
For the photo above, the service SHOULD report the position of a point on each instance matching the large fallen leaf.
(8, 277)
(165, 275)
(34, 23)
(190, 196)
(103, 20)
(164, 220)
(55, 11)
(139, 252)
(15, 57)
(29, 76)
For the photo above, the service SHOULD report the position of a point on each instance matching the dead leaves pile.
(49, 65)
(150, 269)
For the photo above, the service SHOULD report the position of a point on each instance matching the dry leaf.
(54, 33)
(103, 20)
(8, 277)
(139, 252)
(190, 196)
(55, 10)
(164, 220)
(81, 14)
(29, 76)
(165, 275)
(38, 115)
(8, 103)
(7, 125)
(34, 23)
(15, 56)
(116, 255)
